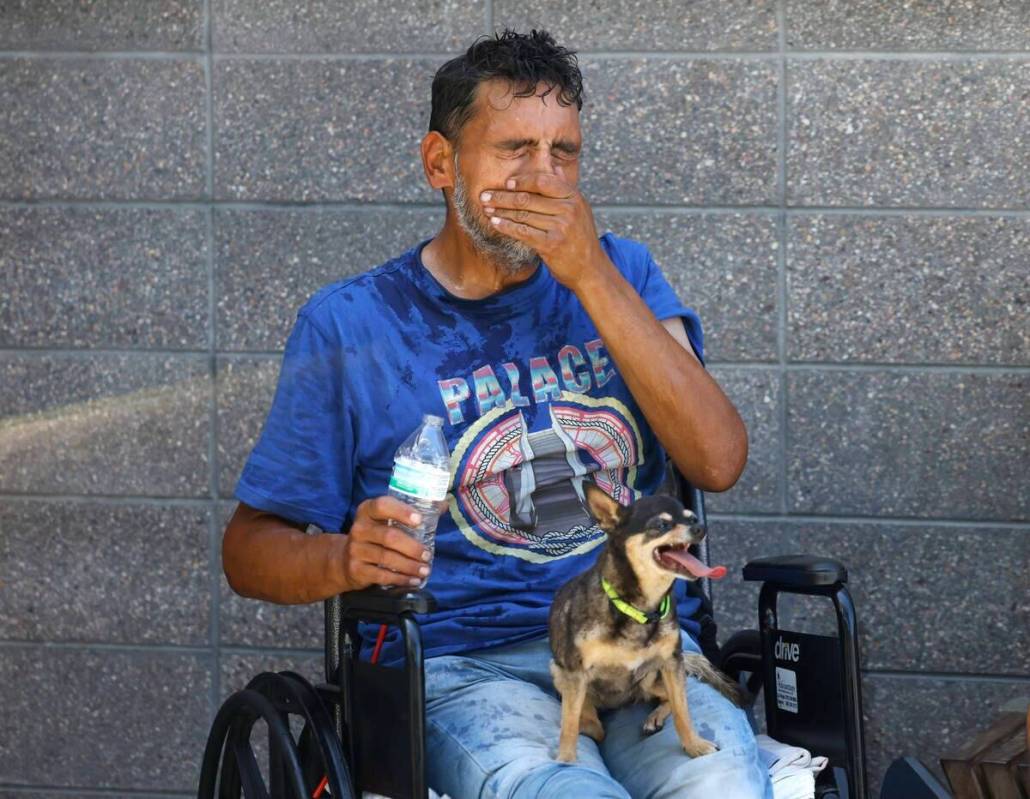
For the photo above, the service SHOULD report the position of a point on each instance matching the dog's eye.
(664, 526)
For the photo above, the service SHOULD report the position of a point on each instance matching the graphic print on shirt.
(519, 492)
(577, 376)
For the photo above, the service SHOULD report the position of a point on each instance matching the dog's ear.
(605, 510)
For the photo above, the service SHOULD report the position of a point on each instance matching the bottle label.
(420, 480)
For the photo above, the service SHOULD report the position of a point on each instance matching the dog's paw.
(656, 720)
(566, 756)
(699, 747)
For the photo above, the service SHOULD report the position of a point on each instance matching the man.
(554, 357)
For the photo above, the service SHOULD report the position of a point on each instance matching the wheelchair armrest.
(797, 571)
(392, 601)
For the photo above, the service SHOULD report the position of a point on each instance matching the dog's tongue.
(693, 565)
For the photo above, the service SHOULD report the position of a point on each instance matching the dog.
(614, 633)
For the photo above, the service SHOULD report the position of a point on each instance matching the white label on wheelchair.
(786, 690)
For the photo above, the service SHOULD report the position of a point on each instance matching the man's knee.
(738, 771)
(735, 771)
(554, 780)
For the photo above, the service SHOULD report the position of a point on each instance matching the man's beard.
(509, 254)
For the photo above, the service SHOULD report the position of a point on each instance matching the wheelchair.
(363, 729)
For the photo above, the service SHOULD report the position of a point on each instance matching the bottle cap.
(429, 418)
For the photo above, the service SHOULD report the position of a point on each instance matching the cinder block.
(252, 622)
(125, 277)
(105, 424)
(111, 25)
(908, 133)
(671, 132)
(322, 130)
(102, 129)
(922, 289)
(636, 25)
(360, 26)
(96, 572)
(886, 25)
(103, 719)
(931, 444)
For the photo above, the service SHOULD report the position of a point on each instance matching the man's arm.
(268, 557)
(688, 411)
(696, 423)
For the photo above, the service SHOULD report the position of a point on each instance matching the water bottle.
(420, 479)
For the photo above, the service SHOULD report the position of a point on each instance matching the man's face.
(508, 136)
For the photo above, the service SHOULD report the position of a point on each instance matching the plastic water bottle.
(421, 477)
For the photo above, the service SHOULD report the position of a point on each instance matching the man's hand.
(690, 414)
(375, 553)
(553, 218)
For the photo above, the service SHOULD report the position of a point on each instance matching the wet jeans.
(493, 720)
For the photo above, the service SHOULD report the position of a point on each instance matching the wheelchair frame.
(339, 752)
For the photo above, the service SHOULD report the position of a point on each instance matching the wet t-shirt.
(533, 407)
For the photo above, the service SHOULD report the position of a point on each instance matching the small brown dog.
(614, 634)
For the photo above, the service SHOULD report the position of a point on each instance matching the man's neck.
(462, 269)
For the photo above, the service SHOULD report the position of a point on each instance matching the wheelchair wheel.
(296, 768)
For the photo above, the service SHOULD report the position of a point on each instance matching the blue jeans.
(493, 719)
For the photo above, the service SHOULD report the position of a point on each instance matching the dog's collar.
(635, 613)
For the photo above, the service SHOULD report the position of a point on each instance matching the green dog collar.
(635, 613)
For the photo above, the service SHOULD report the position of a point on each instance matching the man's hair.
(526, 60)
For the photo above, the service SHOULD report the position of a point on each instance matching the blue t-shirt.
(532, 406)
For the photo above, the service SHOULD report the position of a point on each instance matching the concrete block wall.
(841, 189)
